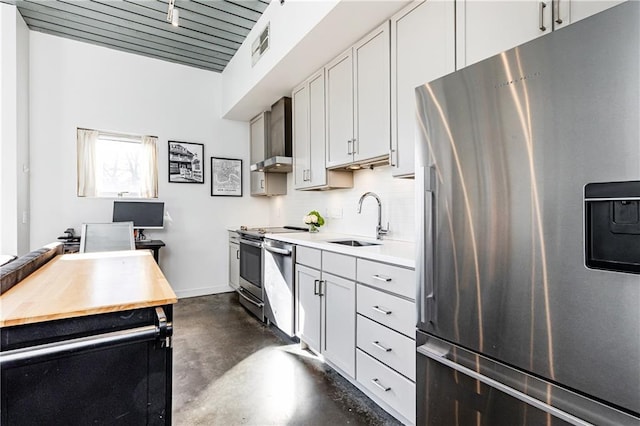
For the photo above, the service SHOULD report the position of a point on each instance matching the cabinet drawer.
(394, 312)
(339, 264)
(308, 256)
(387, 346)
(386, 384)
(387, 277)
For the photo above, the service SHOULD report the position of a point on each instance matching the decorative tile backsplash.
(339, 206)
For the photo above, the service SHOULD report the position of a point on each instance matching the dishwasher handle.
(284, 252)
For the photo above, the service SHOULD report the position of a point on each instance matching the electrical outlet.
(335, 213)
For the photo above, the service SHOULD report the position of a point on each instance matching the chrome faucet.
(379, 230)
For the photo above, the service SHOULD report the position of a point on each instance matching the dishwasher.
(279, 260)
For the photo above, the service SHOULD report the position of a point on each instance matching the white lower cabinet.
(391, 311)
(388, 346)
(355, 313)
(386, 327)
(339, 301)
(326, 306)
(234, 260)
(308, 309)
(386, 384)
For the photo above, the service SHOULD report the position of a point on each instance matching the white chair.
(107, 237)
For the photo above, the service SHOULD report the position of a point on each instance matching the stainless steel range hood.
(278, 152)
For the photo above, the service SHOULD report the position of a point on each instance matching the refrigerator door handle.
(439, 354)
(428, 305)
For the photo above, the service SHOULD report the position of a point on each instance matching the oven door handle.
(161, 332)
(251, 243)
(277, 250)
(248, 299)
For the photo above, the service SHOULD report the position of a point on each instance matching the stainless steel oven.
(251, 288)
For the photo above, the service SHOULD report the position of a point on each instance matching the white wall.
(339, 206)
(14, 132)
(289, 23)
(75, 84)
(304, 36)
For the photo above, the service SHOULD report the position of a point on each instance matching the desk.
(82, 335)
(155, 245)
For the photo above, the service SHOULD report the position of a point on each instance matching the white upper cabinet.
(569, 11)
(358, 101)
(317, 173)
(486, 28)
(372, 95)
(309, 142)
(300, 108)
(339, 99)
(259, 128)
(262, 183)
(422, 50)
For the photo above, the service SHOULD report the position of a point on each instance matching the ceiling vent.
(260, 45)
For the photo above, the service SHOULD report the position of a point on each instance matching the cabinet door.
(258, 132)
(268, 183)
(486, 28)
(339, 333)
(317, 175)
(339, 92)
(567, 12)
(258, 183)
(422, 50)
(234, 265)
(308, 306)
(372, 96)
(300, 99)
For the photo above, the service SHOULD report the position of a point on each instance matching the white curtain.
(149, 168)
(87, 162)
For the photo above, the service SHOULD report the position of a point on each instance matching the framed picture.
(226, 177)
(186, 162)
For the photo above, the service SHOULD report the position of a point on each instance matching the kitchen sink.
(354, 243)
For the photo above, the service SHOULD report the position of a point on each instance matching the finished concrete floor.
(230, 369)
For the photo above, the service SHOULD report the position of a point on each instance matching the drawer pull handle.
(381, 310)
(381, 386)
(379, 346)
(381, 278)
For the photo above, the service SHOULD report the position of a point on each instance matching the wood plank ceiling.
(209, 34)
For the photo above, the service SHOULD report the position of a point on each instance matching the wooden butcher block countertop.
(74, 285)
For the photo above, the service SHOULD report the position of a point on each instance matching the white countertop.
(400, 253)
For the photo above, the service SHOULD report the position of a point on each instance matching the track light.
(173, 13)
(175, 17)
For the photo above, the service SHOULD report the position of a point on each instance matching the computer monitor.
(143, 214)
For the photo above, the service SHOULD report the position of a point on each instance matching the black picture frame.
(226, 177)
(186, 162)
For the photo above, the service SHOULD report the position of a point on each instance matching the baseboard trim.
(203, 291)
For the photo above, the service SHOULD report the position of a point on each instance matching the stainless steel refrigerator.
(528, 175)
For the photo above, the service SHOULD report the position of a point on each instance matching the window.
(116, 165)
